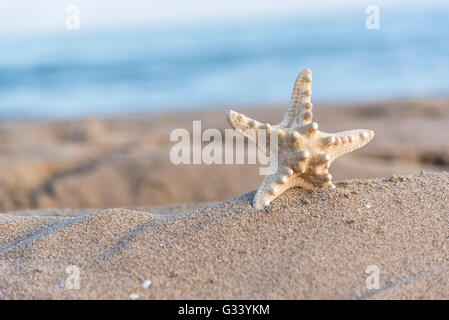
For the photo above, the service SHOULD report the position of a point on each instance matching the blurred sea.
(78, 73)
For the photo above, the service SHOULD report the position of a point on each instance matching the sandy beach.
(306, 245)
(116, 162)
(102, 195)
(230, 152)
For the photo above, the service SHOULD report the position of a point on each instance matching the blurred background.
(86, 113)
(152, 56)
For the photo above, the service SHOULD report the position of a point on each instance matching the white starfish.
(304, 152)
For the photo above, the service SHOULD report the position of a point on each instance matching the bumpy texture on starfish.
(304, 153)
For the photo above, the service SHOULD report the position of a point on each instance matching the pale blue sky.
(43, 16)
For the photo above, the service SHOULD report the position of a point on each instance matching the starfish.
(304, 153)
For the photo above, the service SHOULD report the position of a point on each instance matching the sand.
(306, 245)
(101, 197)
(118, 162)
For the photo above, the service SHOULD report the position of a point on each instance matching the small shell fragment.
(146, 284)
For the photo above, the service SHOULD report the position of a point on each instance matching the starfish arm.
(300, 105)
(338, 144)
(274, 185)
(250, 128)
(270, 189)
